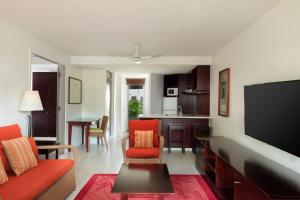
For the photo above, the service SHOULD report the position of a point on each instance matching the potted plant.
(134, 108)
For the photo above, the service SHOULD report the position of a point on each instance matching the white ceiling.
(110, 27)
(145, 69)
(161, 65)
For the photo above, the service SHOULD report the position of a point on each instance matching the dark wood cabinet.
(235, 172)
(201, 78)
(170, 81)
(245, 190)
(187, 102)
(193, 90)
(203, 104)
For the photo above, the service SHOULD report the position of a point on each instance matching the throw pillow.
(3, 175)
(143, 139)
(19, 154)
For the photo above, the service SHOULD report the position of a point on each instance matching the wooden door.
(45, 122)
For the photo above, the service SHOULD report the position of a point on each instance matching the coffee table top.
(143, 178)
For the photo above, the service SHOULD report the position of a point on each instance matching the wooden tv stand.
(235, 172)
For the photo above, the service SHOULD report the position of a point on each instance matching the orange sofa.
(51, 179)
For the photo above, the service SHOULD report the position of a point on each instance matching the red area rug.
(186, 187)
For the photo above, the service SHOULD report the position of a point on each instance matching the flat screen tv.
(272, 114)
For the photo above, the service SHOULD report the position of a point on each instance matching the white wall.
(15, 53)
(73, 111)
(156, 93)
(94, 92)
(117, 104)
(269, 50)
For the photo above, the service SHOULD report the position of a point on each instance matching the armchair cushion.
(143, 152)
(96, 130)
(144, 125)
(143, 139)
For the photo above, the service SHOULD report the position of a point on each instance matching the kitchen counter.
(183, 116)
(193, 125)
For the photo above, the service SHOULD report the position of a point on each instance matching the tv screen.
(272, 114)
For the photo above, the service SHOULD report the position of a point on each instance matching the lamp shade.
(31, 101)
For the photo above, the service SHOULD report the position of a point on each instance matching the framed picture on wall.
(75, 91)
(224, 91)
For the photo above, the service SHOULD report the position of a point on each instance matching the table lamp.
(31, 102)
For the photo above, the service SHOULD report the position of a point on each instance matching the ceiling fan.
(137, 59)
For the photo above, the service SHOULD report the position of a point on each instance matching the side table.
(46, 152)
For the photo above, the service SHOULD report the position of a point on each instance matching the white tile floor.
(100, 160)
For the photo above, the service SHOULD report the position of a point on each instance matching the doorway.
(135, 100)
(47, 80)
(122, 85)
(45, 121)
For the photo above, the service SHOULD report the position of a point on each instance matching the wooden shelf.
(210, 164)
(236, 172)
(211, 176)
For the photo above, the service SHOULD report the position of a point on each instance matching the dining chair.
(100, 132)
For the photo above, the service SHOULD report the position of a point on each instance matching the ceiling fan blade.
(150, 57)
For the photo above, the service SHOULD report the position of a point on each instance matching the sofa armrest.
(71, 147)
(161, 146)
(123, 143)
(161, 141)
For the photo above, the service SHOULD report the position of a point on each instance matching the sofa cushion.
(12, 132)
(143, 139)
(19, 154)
(144, 125)
(33, 147)
(142, 152)
(35, 181)
(5, 159)
(3, 175)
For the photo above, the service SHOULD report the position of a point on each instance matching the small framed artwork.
(224, 91)
(75, 91)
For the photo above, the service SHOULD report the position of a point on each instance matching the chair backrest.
(104, 123)
(144, 125)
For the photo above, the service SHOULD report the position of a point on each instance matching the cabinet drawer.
(245, 190)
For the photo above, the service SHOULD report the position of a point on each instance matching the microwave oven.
(172, 92)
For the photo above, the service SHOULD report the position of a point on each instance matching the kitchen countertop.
(174, 116)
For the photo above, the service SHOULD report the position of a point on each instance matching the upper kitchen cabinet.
(201, 78)
(192, 90)
(170, 81)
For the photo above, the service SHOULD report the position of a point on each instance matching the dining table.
(84, 123)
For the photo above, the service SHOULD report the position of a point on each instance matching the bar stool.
(201, 132)
(176, 129)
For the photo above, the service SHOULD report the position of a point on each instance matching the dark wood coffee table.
(143, 179)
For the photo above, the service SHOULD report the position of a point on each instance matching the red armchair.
(143, 155)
